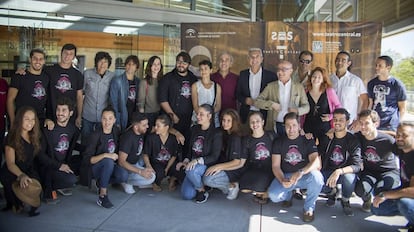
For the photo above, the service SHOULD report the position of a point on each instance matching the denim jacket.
(118, 93)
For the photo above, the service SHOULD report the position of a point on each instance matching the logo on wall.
(190, 33)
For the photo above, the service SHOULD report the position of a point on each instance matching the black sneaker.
(201, 197)
(366, 206)
(410, 227)
(104, 202)
(288, 203)
(331, 201)
(346, 207)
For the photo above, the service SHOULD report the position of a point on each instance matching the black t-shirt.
(176, 90)
(294, 152)
(63, 82)
(257, 151)
(132, 98)
(407, 167)
(378, 154)
(341, 152)
(133, 145)
(31, 91)
(27, 164)
(231, 148)
(60, 138)
(159, 152)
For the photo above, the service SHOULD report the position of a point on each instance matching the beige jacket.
(270, 95)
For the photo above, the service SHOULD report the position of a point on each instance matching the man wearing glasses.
(304, 69)
(174, 94)
(350, 88)
(281, 97)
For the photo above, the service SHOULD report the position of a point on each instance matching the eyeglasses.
(305, 61)
(283, 69)
(181, 62)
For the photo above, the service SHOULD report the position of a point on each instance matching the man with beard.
(174, 95)
(295, 164)
(130, 170)
(341, 160)
(380, 171)
(349, 87)
(400, 201)
(29, 88)
(55, 159)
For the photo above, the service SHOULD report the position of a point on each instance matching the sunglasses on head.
(305, 61)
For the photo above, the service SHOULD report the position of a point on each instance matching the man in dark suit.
(251, 83)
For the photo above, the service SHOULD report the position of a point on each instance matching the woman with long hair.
(322, 101)
(147, 93)
(160, 153)
(225, 174)
(204, 150)
(22, 146)
(257, 148)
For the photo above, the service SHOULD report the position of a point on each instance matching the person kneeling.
(130, 170)
(295, 164)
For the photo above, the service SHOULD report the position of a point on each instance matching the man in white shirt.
(350, 88)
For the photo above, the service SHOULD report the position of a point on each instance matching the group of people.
(264, 133)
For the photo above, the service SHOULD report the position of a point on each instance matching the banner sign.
(284, 41)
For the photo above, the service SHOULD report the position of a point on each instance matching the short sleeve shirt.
(294, 152)
(161, 152)
(63, 83)
(349, 88)
(385, 96)
(131, 144)
(257, 151)
(407, 167)
(32, 91)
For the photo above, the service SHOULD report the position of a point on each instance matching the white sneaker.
(233, 192)
(128, 188)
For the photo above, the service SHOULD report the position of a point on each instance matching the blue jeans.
(402, 206)
(312, 181)
(220, 180)
(193, 181)
(87, 128)
(102, 171)
(347, 180)
(369, 184)
(121, 175)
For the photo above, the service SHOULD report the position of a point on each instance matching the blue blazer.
(243, 90)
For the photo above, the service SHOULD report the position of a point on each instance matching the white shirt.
(284, 96)
(349, 88)
(255, 81)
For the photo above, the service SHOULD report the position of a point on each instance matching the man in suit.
(281, 97)
(251, 83)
